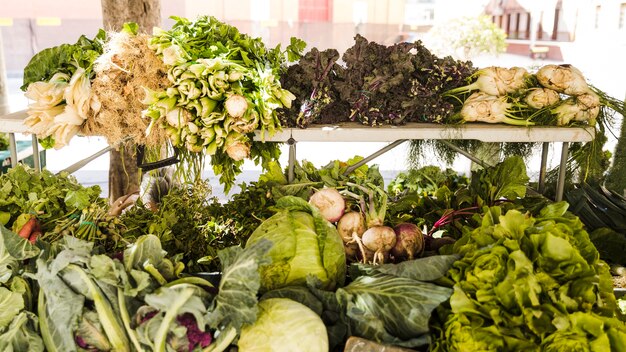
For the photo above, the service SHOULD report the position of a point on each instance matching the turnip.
(329, 202)
(351, 227)
(380, 240)
(409, 241)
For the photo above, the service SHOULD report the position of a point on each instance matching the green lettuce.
(304, 244)
(529, 283)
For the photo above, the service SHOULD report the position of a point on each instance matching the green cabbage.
(284, 325)
(304, 244)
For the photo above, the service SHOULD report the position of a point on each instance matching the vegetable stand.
(396, 135)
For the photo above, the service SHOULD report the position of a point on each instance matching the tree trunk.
(124, 176)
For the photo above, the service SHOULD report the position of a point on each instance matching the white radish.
(380, 240)
(351, 227)
(330, 203)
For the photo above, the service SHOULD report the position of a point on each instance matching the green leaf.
(22, 335)
(423, 269)
(78, 199)
(130, 28)
(11, 303)
(389, 309)
(295, 49)
(59, 309)
(18, 247)
(235, 303)
(46, 63)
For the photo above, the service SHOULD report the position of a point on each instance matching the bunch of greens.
(18, 325)
(224, 86)
(90, 301)
(179, 223)
(451, 205)
(50, 197)
(425, 180)
(58, 81)
(313, 82)
(399, 83)
(65, 58)
(529, 283)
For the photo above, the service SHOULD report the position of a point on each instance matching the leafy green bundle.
(313, 81)
(18, 325)
(224, 86)
(65, 58)
(48, 196)
(530, 283)
(376, 85)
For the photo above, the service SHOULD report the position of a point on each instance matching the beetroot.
(409, 241)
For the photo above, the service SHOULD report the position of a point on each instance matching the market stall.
(305, 258)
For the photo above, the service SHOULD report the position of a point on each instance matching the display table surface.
(395, 135)
(355, 132)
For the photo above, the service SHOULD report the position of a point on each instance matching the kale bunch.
(312, 80)
(399, 83)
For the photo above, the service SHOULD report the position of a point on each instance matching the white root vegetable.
(330, 203)
(380, 240)
(482, 107)
(496, 81)
(351, 227)
(539, 98)
(236, 105)
(409, 241)
(563, 79)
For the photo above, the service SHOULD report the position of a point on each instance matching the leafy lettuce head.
(304, 244)
(582, 331)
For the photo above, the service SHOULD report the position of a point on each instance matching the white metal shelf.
(395, 135)
(355, 132)
(14, 122)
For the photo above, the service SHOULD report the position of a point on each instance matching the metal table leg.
(542, 169)
(13, 149)
(36, 161)
(560, 186)
(378, 153)
(292, 159)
